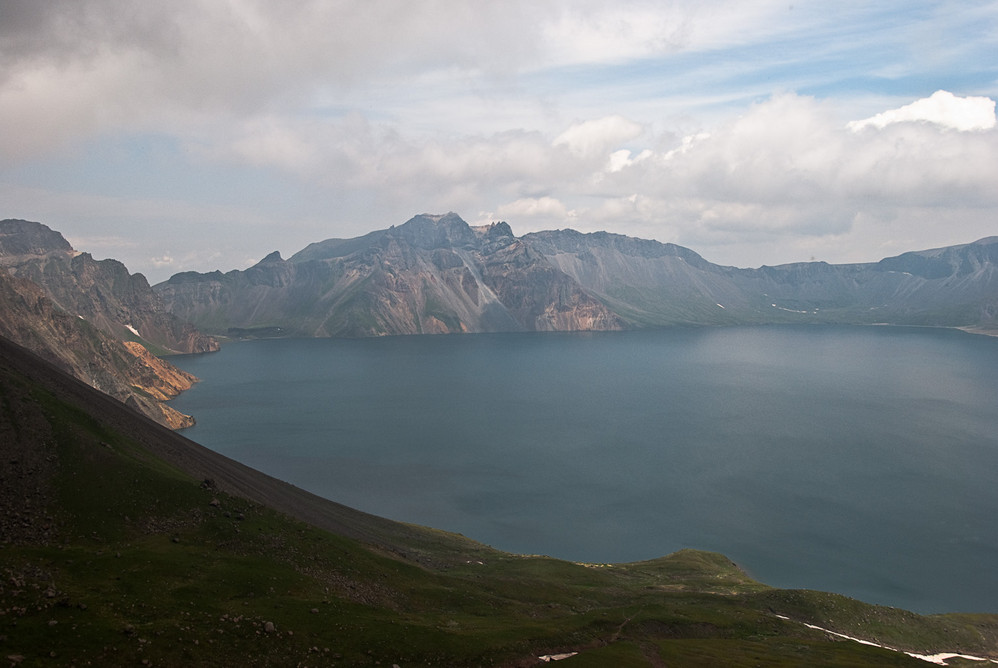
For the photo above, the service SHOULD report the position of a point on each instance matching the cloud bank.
(753, 132)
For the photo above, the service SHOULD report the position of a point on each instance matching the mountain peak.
(430, 231)
(23, 237)
(272, 257)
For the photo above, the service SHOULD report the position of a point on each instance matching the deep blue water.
(861, 460)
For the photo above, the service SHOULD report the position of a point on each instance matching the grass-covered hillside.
(125, 544)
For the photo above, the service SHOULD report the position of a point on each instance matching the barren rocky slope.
(128, 374)
(93, 319)
(103, 293)
(434, 274)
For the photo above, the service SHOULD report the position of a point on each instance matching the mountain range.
(437, 274)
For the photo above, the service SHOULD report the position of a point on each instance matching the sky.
(204, 134)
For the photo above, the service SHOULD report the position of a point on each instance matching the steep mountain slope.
(123, 370)
(646, 282)
(126, 544)
(650, 283)
(436, 274)
(104, 293)
(86, 316)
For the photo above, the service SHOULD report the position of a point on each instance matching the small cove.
(859, 460)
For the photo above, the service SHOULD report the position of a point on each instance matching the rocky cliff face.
(436, 274)
(433, 274)
(125, 371)
(93, 319)
(102, 292)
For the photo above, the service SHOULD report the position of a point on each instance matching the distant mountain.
(93, 319)
(437, 274)
(650, 283)
(432, 275)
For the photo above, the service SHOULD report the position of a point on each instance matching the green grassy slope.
(125, 544)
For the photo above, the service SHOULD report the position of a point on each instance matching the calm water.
(856, 460)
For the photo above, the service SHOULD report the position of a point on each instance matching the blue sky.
(198, 135)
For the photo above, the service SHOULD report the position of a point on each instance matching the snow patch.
(938, 659)
(547, 658)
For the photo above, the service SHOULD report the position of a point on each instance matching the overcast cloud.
(198, 134)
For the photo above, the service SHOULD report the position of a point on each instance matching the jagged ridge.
(433, 274)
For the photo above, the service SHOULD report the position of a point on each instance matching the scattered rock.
(269, 627)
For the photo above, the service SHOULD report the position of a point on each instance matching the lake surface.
(861, 460)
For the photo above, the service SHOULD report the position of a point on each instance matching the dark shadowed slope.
(227, 475)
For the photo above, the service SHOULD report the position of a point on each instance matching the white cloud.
(623, 159)
(782, 179)
(547, 208)
(942, 108)
(598, 137)
(164, 261)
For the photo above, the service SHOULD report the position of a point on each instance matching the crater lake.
(859, 460)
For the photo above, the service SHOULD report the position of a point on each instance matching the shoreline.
(981, 331)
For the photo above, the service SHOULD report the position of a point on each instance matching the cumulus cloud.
(789, 171)
(595, 138)
(942, 108)
(787, 168)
